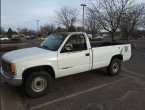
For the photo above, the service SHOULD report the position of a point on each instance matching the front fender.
(21, 67)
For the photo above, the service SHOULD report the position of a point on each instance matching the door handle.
(87, 54)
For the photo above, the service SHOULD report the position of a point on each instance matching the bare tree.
(109, 13)
(25, 31)
(67, 17)
(131, 20)
(143, 18)
(92, 24)
(10, 33)
(2, 31)
(48, 29)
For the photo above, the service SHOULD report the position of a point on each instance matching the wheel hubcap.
(39, 84)
(115, 68)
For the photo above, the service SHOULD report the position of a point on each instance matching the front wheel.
(114, 67)
(37, 83)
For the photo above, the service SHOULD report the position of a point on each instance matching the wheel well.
(119, 56)
(28, 71)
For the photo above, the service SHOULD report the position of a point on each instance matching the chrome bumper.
(11, 80)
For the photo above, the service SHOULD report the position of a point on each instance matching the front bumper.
(11, 80)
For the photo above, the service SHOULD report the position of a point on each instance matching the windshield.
(53, 42)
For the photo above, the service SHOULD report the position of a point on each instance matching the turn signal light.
(12, 68)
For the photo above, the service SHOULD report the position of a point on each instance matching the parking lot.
(93, 90)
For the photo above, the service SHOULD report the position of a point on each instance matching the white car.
(15, 37)
(60, 55)
(4, 38)
(41, 38)
(99, 38)
(90, 36)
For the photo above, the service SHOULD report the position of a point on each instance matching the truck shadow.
(72, 82)
(64, 86)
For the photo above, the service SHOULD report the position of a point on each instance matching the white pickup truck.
(60, 54)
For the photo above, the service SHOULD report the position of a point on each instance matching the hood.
(25, 54)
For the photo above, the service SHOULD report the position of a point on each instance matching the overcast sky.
(23, 13)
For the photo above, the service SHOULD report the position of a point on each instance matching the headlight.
(8, 67)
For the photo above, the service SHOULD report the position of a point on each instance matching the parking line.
(76, 94)
(2, 104)
(1, 99)
(133, 73)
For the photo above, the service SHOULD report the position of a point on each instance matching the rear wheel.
(37, 83)
(114, 67)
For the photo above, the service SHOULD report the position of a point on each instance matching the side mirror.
(68, 47)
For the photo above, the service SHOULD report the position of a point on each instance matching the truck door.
(74, 56)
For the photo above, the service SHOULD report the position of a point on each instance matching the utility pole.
(37, 21)
(83, 23)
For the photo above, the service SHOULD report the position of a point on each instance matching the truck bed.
(104, 51)
(101, 44)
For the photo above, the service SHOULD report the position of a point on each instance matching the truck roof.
(70, 33)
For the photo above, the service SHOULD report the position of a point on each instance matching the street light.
(37, 21)
(83, 5)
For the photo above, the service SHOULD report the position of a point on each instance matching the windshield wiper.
(44, 47)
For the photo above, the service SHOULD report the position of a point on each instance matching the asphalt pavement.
(93, 90)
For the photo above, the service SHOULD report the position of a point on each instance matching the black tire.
(37, 84)
(114, 67)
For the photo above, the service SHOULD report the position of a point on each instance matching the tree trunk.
(112, 36)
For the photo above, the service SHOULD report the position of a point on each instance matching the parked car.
(4, 38)
(59, 55)
(15, 37)
(27, 37)
(41, 38)
(98, 37)
(30, 37)
(90, 36)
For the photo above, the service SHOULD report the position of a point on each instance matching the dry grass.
(6, 49)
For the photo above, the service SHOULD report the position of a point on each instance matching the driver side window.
(75, 43)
